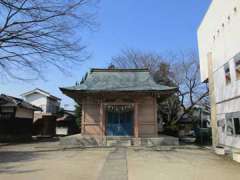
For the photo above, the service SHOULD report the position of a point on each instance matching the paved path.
(115, 167)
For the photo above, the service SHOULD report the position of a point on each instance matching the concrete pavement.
(46, 161)
(115, 167)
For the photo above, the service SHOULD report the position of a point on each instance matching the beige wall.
(24, 113)
(20, 112)
(91, 118)
(146, 117)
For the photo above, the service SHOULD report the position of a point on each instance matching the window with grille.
(237, 68)
(230, 128)
(227, 73)
(237, 126)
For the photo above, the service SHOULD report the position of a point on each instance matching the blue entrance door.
(119, 123)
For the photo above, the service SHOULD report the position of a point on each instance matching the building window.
(237, 126)
(237, 68)
(227, 74)
(233, 126)
(230, 129)
(235, 9)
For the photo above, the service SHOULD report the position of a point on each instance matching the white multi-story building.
(48, 103)
(219, 42)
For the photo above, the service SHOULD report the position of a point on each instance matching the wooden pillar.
(136, 121)
(155, 115)
(102, 119)
(83, 118)
(212, 101)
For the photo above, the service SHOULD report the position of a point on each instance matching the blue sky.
(149, 25)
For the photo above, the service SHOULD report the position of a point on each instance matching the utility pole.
(212, 101)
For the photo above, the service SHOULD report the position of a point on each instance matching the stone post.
(212, 101)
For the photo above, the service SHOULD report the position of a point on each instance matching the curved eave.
(112, 90)
(72, 92)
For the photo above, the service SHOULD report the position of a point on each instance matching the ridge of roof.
(119, 70)
(41, 91)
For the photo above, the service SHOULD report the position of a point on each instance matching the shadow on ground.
(18, 159)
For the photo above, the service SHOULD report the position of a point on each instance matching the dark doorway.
(119, 123)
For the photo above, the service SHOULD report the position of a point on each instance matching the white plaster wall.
(232, 141)
(227, 38)
(229, 106)
(24, 113)
(224, 139)
(224, 47)
(37, 99)
(225, 91)
(219, 33)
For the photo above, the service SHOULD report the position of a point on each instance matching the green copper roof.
(118, 80)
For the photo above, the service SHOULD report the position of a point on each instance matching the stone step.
(120, 141)
(117, 143)
(118, 138)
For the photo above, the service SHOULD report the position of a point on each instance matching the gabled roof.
(105, 80)
(40, 91)
(10, 101)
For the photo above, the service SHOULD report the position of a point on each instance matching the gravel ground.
(47, 161)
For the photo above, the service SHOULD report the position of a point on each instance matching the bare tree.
(160, 69)
(191, 90)
(181, 71)
(37, 33)
(130, 58)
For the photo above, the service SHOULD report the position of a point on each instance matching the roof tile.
(118, 80)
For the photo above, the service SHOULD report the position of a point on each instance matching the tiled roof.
(17, 102)
(118, 80)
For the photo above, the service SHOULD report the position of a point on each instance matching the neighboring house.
(45, 120)
(66, 125)
(218, 37)
(48, 103)
(118, 102)
(16, 116)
